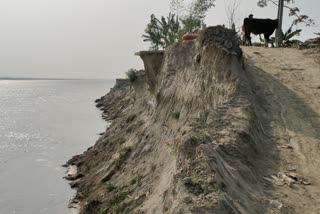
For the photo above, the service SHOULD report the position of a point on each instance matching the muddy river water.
(43, 123)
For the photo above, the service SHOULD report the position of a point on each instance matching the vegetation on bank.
(286, 39)
(183, 18)
(123, 154)
(131, 74)
(174, 145)
(117, 201)
(136, 179)
(109, 186)
(187, 17)
(176, 114)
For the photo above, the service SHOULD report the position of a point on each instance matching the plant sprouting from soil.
(109, 186)
(118, 199)
(176, 114)
(131, 74)
(153, 167)
(174, 145)
(92, 206)
(136, 179)
(123, 154)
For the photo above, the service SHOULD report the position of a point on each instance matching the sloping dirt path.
(288, 84)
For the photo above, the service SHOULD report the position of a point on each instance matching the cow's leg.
(248, 38)
(250, 43)
(266, 40)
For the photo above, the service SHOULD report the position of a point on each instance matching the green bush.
(120, 197)
(117, 201)
(92, 206)
(117, 163)
(131, 74)
(257, 44)
(124, 152)
(109, 186)
(136, 179)
(116, 208)
(176, 115)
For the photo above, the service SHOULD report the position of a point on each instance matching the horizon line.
(46, 78)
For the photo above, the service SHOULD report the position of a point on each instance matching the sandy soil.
(246, 138)
(289, 82)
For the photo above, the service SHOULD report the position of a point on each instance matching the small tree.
(153, 34)
(162, 32)
(131, 74)
(183, 18)
(191, 24)
(192, 10)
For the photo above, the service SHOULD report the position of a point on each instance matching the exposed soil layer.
(289, 82)
(204, 129)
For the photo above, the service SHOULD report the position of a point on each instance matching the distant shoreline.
(22, 78)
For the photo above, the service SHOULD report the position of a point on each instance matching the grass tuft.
(131, 74)
(109, 186)
(174, 145)
(136, 179)
(153, 167)
(176, 115)
(124, 152)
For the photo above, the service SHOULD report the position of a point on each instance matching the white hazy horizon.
(97, 39)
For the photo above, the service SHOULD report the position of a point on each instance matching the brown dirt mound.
(190, 135)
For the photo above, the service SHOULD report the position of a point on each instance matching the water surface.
(43, 123)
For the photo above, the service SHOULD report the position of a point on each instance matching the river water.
(43, 123)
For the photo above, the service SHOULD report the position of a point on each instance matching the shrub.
(136, 179)
(117, 200)
(124, 152)
(131, 74)
(109, 186)
(176, 115)
(92, 205)
(117, 163)
(116, 208)
(257, 44)
(153, 167)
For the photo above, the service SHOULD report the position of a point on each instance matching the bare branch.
(293, 11)
(232, 12)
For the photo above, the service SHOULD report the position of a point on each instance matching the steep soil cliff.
(192, 134)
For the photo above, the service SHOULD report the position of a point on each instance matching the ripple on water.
(42, 124)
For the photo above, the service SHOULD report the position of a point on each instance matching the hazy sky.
(95, 38)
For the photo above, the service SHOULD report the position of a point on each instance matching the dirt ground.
(289, 82)
(208, 128)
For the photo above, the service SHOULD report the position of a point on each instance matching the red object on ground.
(189, 37)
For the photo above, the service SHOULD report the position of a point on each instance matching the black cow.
(259, 26)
